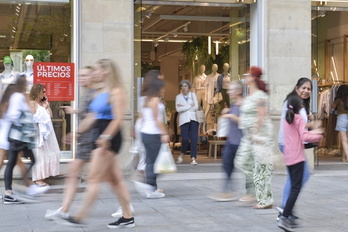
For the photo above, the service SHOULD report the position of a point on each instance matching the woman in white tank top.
(153, 131)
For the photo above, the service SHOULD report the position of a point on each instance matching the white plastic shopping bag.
(165, 162)
(222, 127)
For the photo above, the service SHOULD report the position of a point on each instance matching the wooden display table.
(213, 144)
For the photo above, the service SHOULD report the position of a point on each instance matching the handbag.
(217, 98)
(200, 116)
(164, 162)
(24, 131)
(222, 127)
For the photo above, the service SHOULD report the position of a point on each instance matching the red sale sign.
(58, 79)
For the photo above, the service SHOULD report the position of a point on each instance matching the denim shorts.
(342, 122)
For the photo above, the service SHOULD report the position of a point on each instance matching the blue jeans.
(228, 154)
(152, 144)
(287, 186)
(189, 134)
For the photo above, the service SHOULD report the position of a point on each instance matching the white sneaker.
(56, 214)
(155, 194)
(180, 159)
(141, 187)
(194, 162)
(34, 190)
(119, 212)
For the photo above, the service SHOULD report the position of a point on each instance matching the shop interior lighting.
(217, 47)
(174, 31)
(321, 2)
(334, 66)
(162, 40)
(148, 14)
(209, 45)
(185, 28)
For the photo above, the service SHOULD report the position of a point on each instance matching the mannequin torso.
(29, 71)
(210, 84)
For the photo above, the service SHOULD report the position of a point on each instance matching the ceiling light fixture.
(209, 45)
(217, 47)
(148, 14)
(174, 31)
(185, 28)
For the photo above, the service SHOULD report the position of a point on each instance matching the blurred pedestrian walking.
(153, 130)
(235, 92)
(255, 150)
(106, 115)
(21, 136)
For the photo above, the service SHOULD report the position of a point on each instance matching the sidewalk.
(322, 206)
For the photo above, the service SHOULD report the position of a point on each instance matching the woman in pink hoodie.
(294, 136)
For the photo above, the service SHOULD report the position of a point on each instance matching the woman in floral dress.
(255, 150)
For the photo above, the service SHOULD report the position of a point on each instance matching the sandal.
(259, 206)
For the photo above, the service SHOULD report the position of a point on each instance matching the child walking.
(294, 136)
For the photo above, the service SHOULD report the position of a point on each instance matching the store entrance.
(177, 38)
(329, 67)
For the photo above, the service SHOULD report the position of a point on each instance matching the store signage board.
(58, 78)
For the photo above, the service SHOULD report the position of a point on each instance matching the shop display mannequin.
(210, 87)
(8, 76)
(222, 84)
(29, 71)
(199, 88)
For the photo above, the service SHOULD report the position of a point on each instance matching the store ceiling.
(165, 25)
(31, 26)
(164, 28)
(181, 23)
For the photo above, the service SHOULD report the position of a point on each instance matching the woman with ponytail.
(295, 134)
(302, 89)
(255, 150)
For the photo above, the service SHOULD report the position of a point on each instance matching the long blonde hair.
(114, 79)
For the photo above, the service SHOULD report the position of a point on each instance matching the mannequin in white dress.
(199, 88)
(210, 87)
(222, 86)
(29, 71)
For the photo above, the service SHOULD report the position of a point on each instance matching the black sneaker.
(11, 200)
(71, 221)
(122, 223)
(285, 224)
(278, 217)
(292, 218)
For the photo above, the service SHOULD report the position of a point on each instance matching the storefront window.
(178, 37)
(39, 31)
